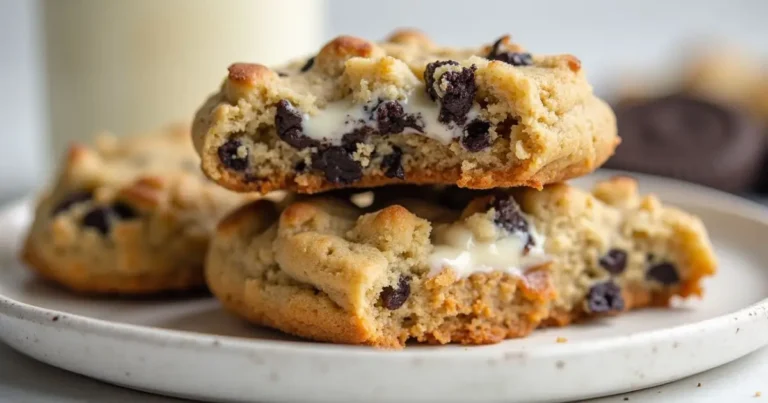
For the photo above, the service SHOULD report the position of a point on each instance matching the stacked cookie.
(426, 201)
(481, 240)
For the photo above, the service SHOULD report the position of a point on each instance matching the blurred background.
(70, 68)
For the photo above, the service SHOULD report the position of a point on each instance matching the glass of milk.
(130, 66)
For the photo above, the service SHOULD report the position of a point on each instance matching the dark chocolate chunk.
(101, 217)
(73, 198)
(665, 273)
(605, 297)
(337, 165)
(391, 164)
(429, 76)
(615, 261)
(690, 139)
(476, 137)
(508, 214)
(389, 116)
(513, 58)
(301, 166)
(124, 211)
(392, 119)
(358, 135)
(460, 89)
(98, 218)
(496, 47)
(288, 125)
(509, 217)
(393, 298)
(308, 65)
(229, 156)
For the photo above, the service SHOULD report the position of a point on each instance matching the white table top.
(25, 380)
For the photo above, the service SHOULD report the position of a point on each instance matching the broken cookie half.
(411, 265)
(404, 111)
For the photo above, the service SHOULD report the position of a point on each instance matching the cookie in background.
(130, 215)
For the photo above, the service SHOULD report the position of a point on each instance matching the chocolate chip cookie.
(420, 269)
(128, 216)
(364, 114)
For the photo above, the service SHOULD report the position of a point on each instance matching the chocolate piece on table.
(691, 139)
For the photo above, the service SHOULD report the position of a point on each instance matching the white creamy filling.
(458, 248)
(341, 117)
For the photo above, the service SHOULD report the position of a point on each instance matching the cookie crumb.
(758, 394)
(561, 339)
(698, 385)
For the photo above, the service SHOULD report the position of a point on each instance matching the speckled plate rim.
(752, 315)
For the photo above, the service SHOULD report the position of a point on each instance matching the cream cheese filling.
(344, 116)
(465, 251)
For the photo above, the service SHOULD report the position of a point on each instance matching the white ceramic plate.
(190, 348)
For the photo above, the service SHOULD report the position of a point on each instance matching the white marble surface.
(25, 380)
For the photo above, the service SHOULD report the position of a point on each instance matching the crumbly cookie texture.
(420, 269)
(364, 114)
(128, 216)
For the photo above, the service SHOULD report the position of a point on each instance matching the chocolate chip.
(98, 218)
(392, 119)
(230, 157)
(301, 166)
(665, 273)
(615, 261)
(338, 165)
(101, 218)
(508, 214)
(124, 211)
(513, 58)
(389, 116)
(605, 297)
(391, 164)
(358, 135)
(393, 298)
(496, 47)
(459, 93)
(476, 137)
(288, 125)
(74, 198)
(509, 217)
(281, 74)
(429, 75)
(308, 65)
